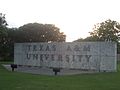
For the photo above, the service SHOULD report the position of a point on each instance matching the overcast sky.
(74, 17)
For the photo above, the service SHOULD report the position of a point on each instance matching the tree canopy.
(3, 25)
(107, 31)
(3, 36)
(31, 32)
(35, 32)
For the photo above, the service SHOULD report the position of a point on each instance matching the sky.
(76, 18)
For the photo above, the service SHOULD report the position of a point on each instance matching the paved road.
(46, 71)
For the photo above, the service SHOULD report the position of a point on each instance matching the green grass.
(23, 81)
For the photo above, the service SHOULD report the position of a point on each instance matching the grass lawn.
(23, 81)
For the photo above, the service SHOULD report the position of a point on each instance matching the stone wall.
(98, 56)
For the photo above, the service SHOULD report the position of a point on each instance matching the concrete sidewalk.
(46, 71)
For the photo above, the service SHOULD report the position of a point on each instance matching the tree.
(3, 35)
(3, 22)
(89, 38)
(35, 32)
(107, 31)
(13, 34)
(3, 25)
